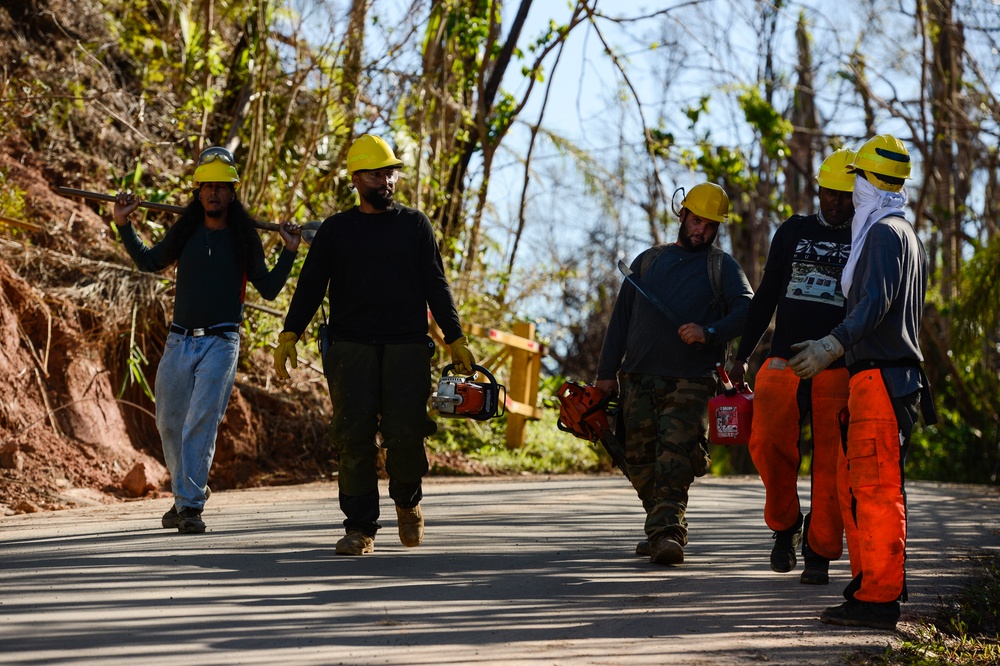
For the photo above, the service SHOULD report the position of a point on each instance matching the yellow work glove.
(285, 351)
(461, 357)
(813, 356)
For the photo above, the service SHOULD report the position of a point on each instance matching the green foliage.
(135, 363)
(953, 450)
(965, 631)
(965, 445)
(11, 196)
(547, 450)
(773, 129)
(503, 114)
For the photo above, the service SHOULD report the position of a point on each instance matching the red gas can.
(730, 415)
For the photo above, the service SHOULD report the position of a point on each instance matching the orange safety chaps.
(774, 447)
(878, 435)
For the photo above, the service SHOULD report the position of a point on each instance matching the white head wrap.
(870, 205)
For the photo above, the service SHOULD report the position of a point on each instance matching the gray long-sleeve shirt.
(210, 285)
(640, 339)
(885, 303)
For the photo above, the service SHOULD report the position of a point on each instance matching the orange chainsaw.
(584, 412)
(457, 396)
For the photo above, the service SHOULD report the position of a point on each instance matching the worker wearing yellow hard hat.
(379, 265)
(216, 250)
(801, 289)
(885, 281)
(681, 302)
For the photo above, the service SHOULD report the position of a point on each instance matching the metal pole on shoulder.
(308, 230)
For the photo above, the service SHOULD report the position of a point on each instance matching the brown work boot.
(356, 543)
(411, 525)
(664, 550)
(642, 548)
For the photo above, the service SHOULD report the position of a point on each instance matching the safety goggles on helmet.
(885, 161)
(216, 165)
(379, 177)
(209, 155)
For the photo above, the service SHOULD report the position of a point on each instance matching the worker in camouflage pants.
(666, 368)
(665, 428)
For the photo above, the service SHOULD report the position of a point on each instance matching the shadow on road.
(513, 571)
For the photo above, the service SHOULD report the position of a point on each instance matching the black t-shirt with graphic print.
(801, 283)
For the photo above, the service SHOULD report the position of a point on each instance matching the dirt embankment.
(69, 433)
(76, 318)
(80, 328)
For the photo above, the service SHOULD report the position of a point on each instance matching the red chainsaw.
(457, 396)
(584, 412)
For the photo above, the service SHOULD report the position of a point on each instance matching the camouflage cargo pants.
(666, 423)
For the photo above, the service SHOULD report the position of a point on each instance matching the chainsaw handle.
(446, 372)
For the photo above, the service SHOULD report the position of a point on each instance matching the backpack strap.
(652, 254)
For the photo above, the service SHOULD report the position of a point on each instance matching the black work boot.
(786, 542)
(854, 613)
(170, 518)
(816, 569)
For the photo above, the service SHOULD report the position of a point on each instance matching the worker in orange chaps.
(885, 280)
(801, 283)
(774, 447)
(877, 439)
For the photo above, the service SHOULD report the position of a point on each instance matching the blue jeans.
(193, 384)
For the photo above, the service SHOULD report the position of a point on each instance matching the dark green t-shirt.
(210, 285)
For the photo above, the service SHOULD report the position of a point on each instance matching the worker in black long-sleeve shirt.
(802, 282)
(380, 265)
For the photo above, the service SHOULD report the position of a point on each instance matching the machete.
(657, 303)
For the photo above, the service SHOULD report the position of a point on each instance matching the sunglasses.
(389, 176)
(216, 154)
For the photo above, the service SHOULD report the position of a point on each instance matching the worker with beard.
(380, 266)
(216, 249)
(801, 283)
(664, 363)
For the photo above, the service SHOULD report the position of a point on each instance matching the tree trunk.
(800, 187)
(946, 77)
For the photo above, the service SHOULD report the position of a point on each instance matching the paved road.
(512, 571)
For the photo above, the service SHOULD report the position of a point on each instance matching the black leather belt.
(872, 364)
(217, 331)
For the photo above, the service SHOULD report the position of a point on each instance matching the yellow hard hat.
(216, 165)
(708, 201)
(368, 153)
(884, 155)
(833, 173)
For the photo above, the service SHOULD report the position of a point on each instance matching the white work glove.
(814, 356)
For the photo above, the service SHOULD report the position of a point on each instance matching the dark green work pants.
(379, 388)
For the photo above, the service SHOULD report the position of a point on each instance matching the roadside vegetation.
(108, 94)
(965, 632)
